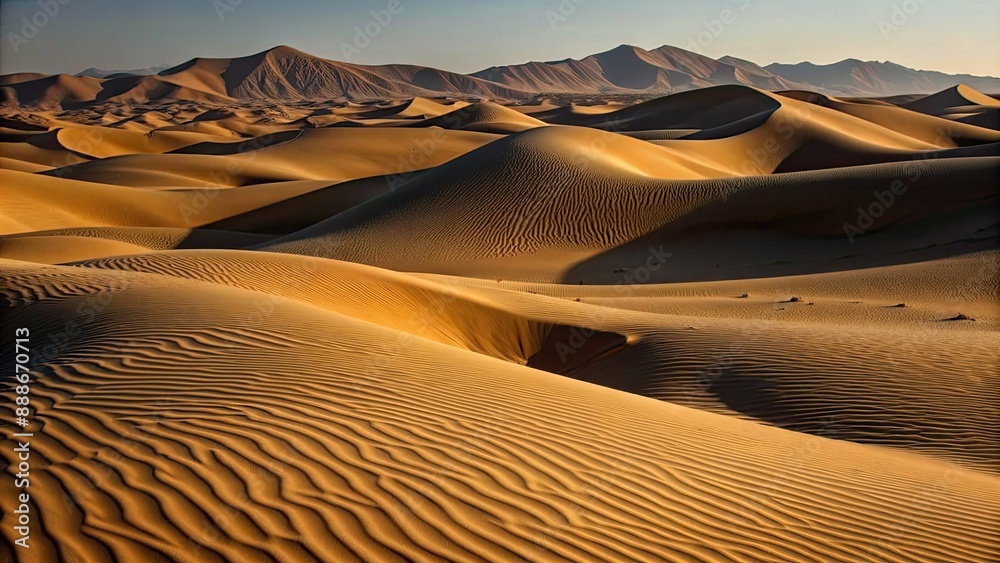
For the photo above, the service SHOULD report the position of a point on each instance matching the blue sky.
(467, 35)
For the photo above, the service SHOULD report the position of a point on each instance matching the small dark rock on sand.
(960, 317)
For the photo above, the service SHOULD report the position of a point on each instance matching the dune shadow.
(566, 349)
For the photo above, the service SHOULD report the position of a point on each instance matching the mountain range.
(287, 74)
(101, 73)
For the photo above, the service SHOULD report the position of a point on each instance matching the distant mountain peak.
(853, 77)
(286, 51)
(627, 47)
(286, 73)
(102, 73)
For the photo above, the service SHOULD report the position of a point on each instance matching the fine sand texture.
(728, 324)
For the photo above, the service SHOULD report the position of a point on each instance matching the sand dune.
(443, 311)
(70, 245)
(415, 108)
(721, 325)
(708, 108)
(550, 180)
(774, 359)
(107, 141)
(956, 96)
(327, 154)
(36, 202)
(52, 91)
(592, 491)
(483, 116)
(7, 163)
(938, 132)
(594, 213)
(427, 309)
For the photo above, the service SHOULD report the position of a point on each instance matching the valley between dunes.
(721, 325)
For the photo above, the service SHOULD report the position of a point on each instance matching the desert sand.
(726, 324)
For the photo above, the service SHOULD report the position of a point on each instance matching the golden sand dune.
(7, 163)
(50, 247)
(33, 202)
(399, 301)
(415, 108)
(704, 109)
(41, 150)
(549, 179)
(608, 214)
(53, 90)
(927, 128)
(779, 383)
(326, 154)
(957, 96)
(766, 349)
(475, 459)
(484, 116)
(106, 142)
(799, 137)
(720, 325)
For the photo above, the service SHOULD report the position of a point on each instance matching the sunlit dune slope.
(324, 154)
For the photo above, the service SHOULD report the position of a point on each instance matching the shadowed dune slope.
(704, 109)
(866, 355)
(957, 96)
(415, 108)
(483, 116)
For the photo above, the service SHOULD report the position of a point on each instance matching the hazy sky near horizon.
(469, 35)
